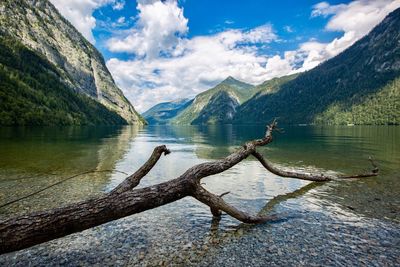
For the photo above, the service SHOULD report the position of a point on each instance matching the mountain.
(40, 31)
(31, 92)
(216, 105)
(359, 86)
(162, 113)
(220, 109)
(273, 85)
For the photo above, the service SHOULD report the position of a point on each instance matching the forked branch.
(34, 228)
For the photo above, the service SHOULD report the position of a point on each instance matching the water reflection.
(315, 212)
(33, 158)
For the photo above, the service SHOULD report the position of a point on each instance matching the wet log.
(38, 227)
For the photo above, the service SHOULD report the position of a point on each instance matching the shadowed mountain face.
(220, 109)
(224, 97)
(360, 86)
(162, 113)
(32, 93)
(37, 25)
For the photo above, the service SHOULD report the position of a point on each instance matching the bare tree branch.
(134, 180)
(34, 228)
(322, 177)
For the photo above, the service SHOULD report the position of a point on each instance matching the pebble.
(312, 239)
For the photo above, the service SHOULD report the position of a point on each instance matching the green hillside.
(236, 91)
(220, 109)
(359, 86)
(32, 92)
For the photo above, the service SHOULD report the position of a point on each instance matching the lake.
(348, 222)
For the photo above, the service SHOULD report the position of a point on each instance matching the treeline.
(32, 93)
(379, 108)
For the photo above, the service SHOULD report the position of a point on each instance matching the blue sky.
(291, 19)
(164, 50)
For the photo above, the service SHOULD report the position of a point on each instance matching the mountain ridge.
(235, 91)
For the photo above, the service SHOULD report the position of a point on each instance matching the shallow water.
(337, 223)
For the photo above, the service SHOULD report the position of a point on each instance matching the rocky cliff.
(38, 25)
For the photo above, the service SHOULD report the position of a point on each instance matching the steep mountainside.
(39, 26)
(219, 110)
(235, 92)
(273, 85)
(31, 92)
(162, 113)
(359, 86)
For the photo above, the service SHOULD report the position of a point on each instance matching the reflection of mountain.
(212, 141)
(51, 154)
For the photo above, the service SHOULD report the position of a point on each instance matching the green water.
(32, 158)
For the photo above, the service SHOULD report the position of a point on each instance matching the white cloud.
(355, 20)
(167, 65)
(288, 28)
(158, 28)
(118, 5)
(195, 65)
(80, 13)
(325, 9)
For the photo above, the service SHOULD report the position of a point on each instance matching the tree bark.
(35, 228)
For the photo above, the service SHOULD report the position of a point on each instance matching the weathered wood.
(31, 229)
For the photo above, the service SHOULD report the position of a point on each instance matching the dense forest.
(32, 92)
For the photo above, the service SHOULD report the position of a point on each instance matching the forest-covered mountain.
(359, 86)
(31, 92)
(162, 113)
(43, 38)
(216, 105)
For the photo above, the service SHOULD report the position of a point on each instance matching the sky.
(160, 51)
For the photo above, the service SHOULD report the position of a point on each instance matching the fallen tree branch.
(134, 180)
(31, 229)
(311, 176)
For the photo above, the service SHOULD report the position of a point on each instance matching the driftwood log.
(38, 227)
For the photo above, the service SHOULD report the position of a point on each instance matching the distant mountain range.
(162, 113)
(359, 86)
(50, 74)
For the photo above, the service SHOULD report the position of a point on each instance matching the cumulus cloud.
(195, 65)
(159, 28)
(167, 65)
(80, 13)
